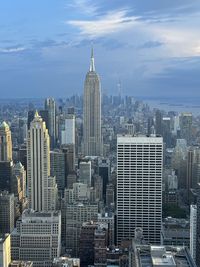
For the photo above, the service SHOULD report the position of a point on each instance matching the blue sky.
(152, 47)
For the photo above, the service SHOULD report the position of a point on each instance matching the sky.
(152, 47)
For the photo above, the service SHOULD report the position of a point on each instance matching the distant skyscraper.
(104, 172)
(68, 135)
(92, 113)
(50, 106)
(5, 143)
(38, 165)
(185, 121)
(158, 122)
(139, 187)
(58, 168)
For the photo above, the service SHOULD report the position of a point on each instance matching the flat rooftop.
(163, 256)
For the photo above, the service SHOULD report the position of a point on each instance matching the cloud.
(151, 44)
(113, 21)
(86, 7)
(13, 49)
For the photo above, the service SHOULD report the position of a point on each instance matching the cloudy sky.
(151, 46)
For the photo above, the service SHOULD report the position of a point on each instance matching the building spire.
(92, 67)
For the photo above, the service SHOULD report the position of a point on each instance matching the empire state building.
(92, 112)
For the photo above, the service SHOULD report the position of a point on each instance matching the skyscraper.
(85, 175)
(38, 164)
(185, 121)
(92, 141)
(68, 134)
(5, 142)
(50, 106)
(7, 212)
(193, 230)
(139, 187)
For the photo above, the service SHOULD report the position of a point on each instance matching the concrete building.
(5, 253)
(100, 246)
(37, 238)
(76, 214)
(5, 142)
(58, 168)
(85, 172)
(104, 172)
(185, 121)
(139, 187)
(38, 167)
(198, 228)
(92, 141)
(21, 264)
(110, 196)
(108, 218)
(161, 256)
(7, 212)
(18, 187)
(193, 231)
(50, 106)
(66, 261)
(79, 192)
(71, 179)
(69, 151)
(68, 134)
(6, 168)
(93, 241)
(175, 232)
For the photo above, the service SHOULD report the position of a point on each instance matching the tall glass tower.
(92, 112)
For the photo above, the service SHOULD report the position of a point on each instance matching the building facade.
(193, 231)
(139, 187)
(37, 238)
(5, 142)
(92, 113)
(38, 166)
(7, 212)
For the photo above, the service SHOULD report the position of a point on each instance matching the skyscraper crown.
(92, 66)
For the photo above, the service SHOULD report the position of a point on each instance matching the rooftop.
(163, 256)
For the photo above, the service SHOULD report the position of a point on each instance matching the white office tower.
(40, 185)
(139, 187)
(68, 134)
(193, 230)
(37, 237)
(85, 173)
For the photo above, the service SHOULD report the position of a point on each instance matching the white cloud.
(12, 49)
(180, 37)
(112, 22)
(87, 7)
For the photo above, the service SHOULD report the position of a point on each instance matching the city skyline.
(153, 49)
